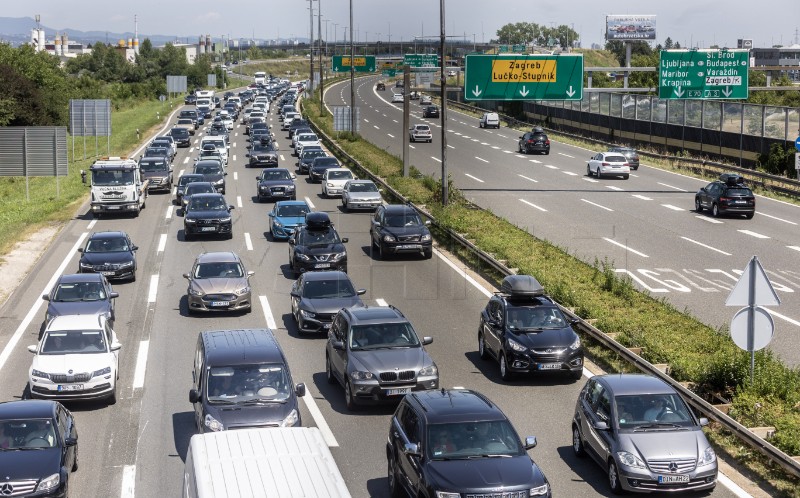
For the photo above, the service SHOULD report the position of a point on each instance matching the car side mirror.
(291, 242)
(80, 249)
(345, 240)
(427, 223)
(361, 292)
(247, 155)
(600, 426)
(337, 345)
(113, 295)
(530, 442)
(186, 276)
(300, 390)
(134, 248)
(46, 297)
(427, 340)
(294, 294)
(225, 173)
(70, 441)
(377, 224)
(294, 177)
(194, 396)
(411, 449)
(116, 346)
(703, 421)
(33, 348)
(231, 206)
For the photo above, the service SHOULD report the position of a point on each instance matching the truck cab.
(117, 186)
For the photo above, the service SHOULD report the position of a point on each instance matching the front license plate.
(326, 326)
(549, 366)
(398, 392)
(208, 229)
(112, 207)
(71, 387)
(107, 273)
(409, 246)
(220, 303)
(672, 479)
(322, 265)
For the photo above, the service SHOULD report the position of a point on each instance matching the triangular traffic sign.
(763, 294)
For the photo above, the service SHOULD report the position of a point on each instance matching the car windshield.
(79, 291)
(535, 317)
(186, 180)
(644, 412)
(112, 177)
(199, 188)
(316, 238)
(116, 244)
(259, 383)
(340, 175)
(153, 166)
(326, 162)
(467, 440)
(363, 187)
(311, 154)
(275, 175)
(219, 270)
(211, 203)
(292, 210)
(73, 342)
(207, 169)
(402, 220)
(328, 289)
(30, 434)
(383, 336)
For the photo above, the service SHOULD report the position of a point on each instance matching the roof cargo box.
(732, 179)
(521, 286)
(318, 221)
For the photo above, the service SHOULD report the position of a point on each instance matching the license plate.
(107, 273)
(326, 325)
(549, 366)
(398, 392)
(112, 207)
(220, 303)
(740, 202)
(71, 387)
(322, 265)
(672, 479)
(409, 246)
(208, 229)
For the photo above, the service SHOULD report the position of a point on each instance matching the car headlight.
(39, 373)
(49, 482)
(630, 460)
(307, 314)
(242, 291)
(337, 256)
(225, 220)
(195, 292)
(576, 344)
(330, 185)
(291, 419)
(707, 457)
(213, 424)
(426, 237)
(359, 375)
(303, 257)
(539, 490)
(447, 494)
(428, 371)
(277, 223)
(290, 187)
(127, 264)
(86, 265)
(220, 181)
(190, 221)
(516, 346)
(102, 371)
(388, 238)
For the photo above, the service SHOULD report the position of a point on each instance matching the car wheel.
(625, 177)
(547, 153)
(599, 173)
(588, 170)
(715, 210)
(112, 400)
(394, 487)
(749, 216)
(75, 460)
(613, 478)
(576, 374)
(636, 168)
(133, 276)
(505, 373)
(349, 400)
(427, 253)
(577, 442)
(484, 355)
(187, 236)
(329, 371)
(698, 206)
(381, 253)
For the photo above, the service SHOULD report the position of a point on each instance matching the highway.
(646, 226)
(137, 447)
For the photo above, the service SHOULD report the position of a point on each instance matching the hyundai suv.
(397, 228)
(458, 443)
(375, 354)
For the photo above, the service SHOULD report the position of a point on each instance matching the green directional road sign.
(518, 48)
(703, 74)
(421, 60)
(523, 77)
(362, 63)
(389, 72)
(502, 49)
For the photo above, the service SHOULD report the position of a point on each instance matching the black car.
(318, 295)
(275, 184)
(190, 99)
(430, 111)
(630, 154)
(317, 246)
(526, 331)
(298, 124)
(217, 129)
(190, 114)
(158, 152)
(158, 172)
(728, 195)
(182, 137)
(396, 229)
(195, 188)
(81, 294)
(534, 141)
(183, 181)
(380, 86)
(207, 214)
(213, 172)
(262, 125)
(262, 155)
(38, 448)
(109, 253)
(321, 164)
(261, 136)
(457, 443)
(307, 158)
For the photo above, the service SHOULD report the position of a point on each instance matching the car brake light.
(547, 141)
(530, 141)
(724, 199)
(606, 164)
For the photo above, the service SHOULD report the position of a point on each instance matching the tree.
(637, 48)
(668, 43)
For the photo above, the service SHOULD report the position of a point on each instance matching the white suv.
(333, 181)
(420, 133)
(489, 120)
(76, 358)
(304, 140)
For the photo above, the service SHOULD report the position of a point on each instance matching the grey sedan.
(81, 294)
(361, 194)
(317, 297)
(218, 282)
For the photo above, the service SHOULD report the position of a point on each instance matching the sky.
(699, 23)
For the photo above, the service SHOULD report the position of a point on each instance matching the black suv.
(534, 141)
(207, 214)
(262, 155)
(316, 246)
(526, 331)
(375, 354)
(397, 228)
(430, 111)
(630, 154)
(109, 253)
(181, 136)
(459, 443)
(728, 195)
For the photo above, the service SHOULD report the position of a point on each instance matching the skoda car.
(643, 435)
(218, 282)
(317, 246)
(397, 229)
(274, 184)
(81, 294)
(111, 254)
(525, 331)
(361, 194)
(286, 216)
(728, 195)
(318, 295)
(207, 214)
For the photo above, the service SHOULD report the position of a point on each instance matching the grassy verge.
(47, 200)
(296, 67)
(695, 352)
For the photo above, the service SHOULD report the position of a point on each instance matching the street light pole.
(443, 83)
(352, 77)
(311, 43)
(319, 49)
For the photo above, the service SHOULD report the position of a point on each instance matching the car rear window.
(739, 191)
(616, 159)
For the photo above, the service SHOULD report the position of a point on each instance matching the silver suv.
(639, 429)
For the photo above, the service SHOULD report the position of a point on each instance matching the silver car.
(218, 282)
(639, 429)
(360, 194)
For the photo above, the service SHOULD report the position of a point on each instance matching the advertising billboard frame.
(631, 27)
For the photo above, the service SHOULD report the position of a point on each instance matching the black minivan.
(241, 380)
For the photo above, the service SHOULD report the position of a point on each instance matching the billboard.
(631, 27)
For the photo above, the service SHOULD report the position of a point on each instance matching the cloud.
(208, 16)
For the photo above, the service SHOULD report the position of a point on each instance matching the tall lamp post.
(319, 48)
(311, 42)
(352, 76)
(443, 80)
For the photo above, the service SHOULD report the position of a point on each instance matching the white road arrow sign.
(524, 92)
(570, 92)
(727, 92)
(679, 91)
(477, 92)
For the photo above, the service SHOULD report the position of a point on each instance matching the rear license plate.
(107, 273)
(71, 387)
(549, 366)
(398, 392)
(220, 303)
(672, 479)
(208, 229)
(322, 265)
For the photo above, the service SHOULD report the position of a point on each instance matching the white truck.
(205, 102)
(117, 186)
(290, 462)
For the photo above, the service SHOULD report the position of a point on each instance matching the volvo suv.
(397, 229)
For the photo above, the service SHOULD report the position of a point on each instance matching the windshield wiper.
(221, 402)
(489, 455)
(257, 401)
(656, 425)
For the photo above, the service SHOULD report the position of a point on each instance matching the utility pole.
(311, 43)
(352, 76)
(319, 49)
(443, 83)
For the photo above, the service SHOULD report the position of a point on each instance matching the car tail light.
(606, 164)
(725, 199)
(547, 142)
(530, 141)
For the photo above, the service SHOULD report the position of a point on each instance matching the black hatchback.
(728, 195)
(430, 111)
(111, 254)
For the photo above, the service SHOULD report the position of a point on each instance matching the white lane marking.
(153, 291)
(706, 246)
(91, 224)
(168, 214)
(570, 173)
(390, 135)
(128, 481)
(185, 160)
(675, 188)
(239, 201)
(501, 136)
(753, 234)
(141, 365)
(481, 159)
(247, 242)
(529, 179)
(796, 248)
(436, 159)
(464, 136)
(732, 486)
(598, 205)
(319, 420)
(457, 133)
(281, 156)
(234, 157)
(475, 140)
(618, 189)
(474, 178)
(776, 218)
(310, 204)
(508, 152)
(643, 197)
(565, 155)
(592, 180)
(450, 146)
(162, 242)
(268, 316)
(550, 166)
(534, 161)
(394, 120)
(381, 302)
(38, 302)
(236, 177)
(620, 244)
(674, 208)
(179, 174)
(376, 127)
(411, 146)
(366, 120)
(533, 205)
(520, 156)
(495, 147)
(463, 273)
(783, 317)
(484, 143)
(710, 220)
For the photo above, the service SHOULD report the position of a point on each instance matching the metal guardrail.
(743, 433)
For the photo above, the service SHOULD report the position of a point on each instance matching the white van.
(276, 461)
(220, 142)
(489, 120)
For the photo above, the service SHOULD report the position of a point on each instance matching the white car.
(304, 140)
(489, 120)
(227, 119)
(287, 120)
(76, 358)
(425, 100)
(608, 163)
(420, 133)
(333, 181)
(397, 97)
